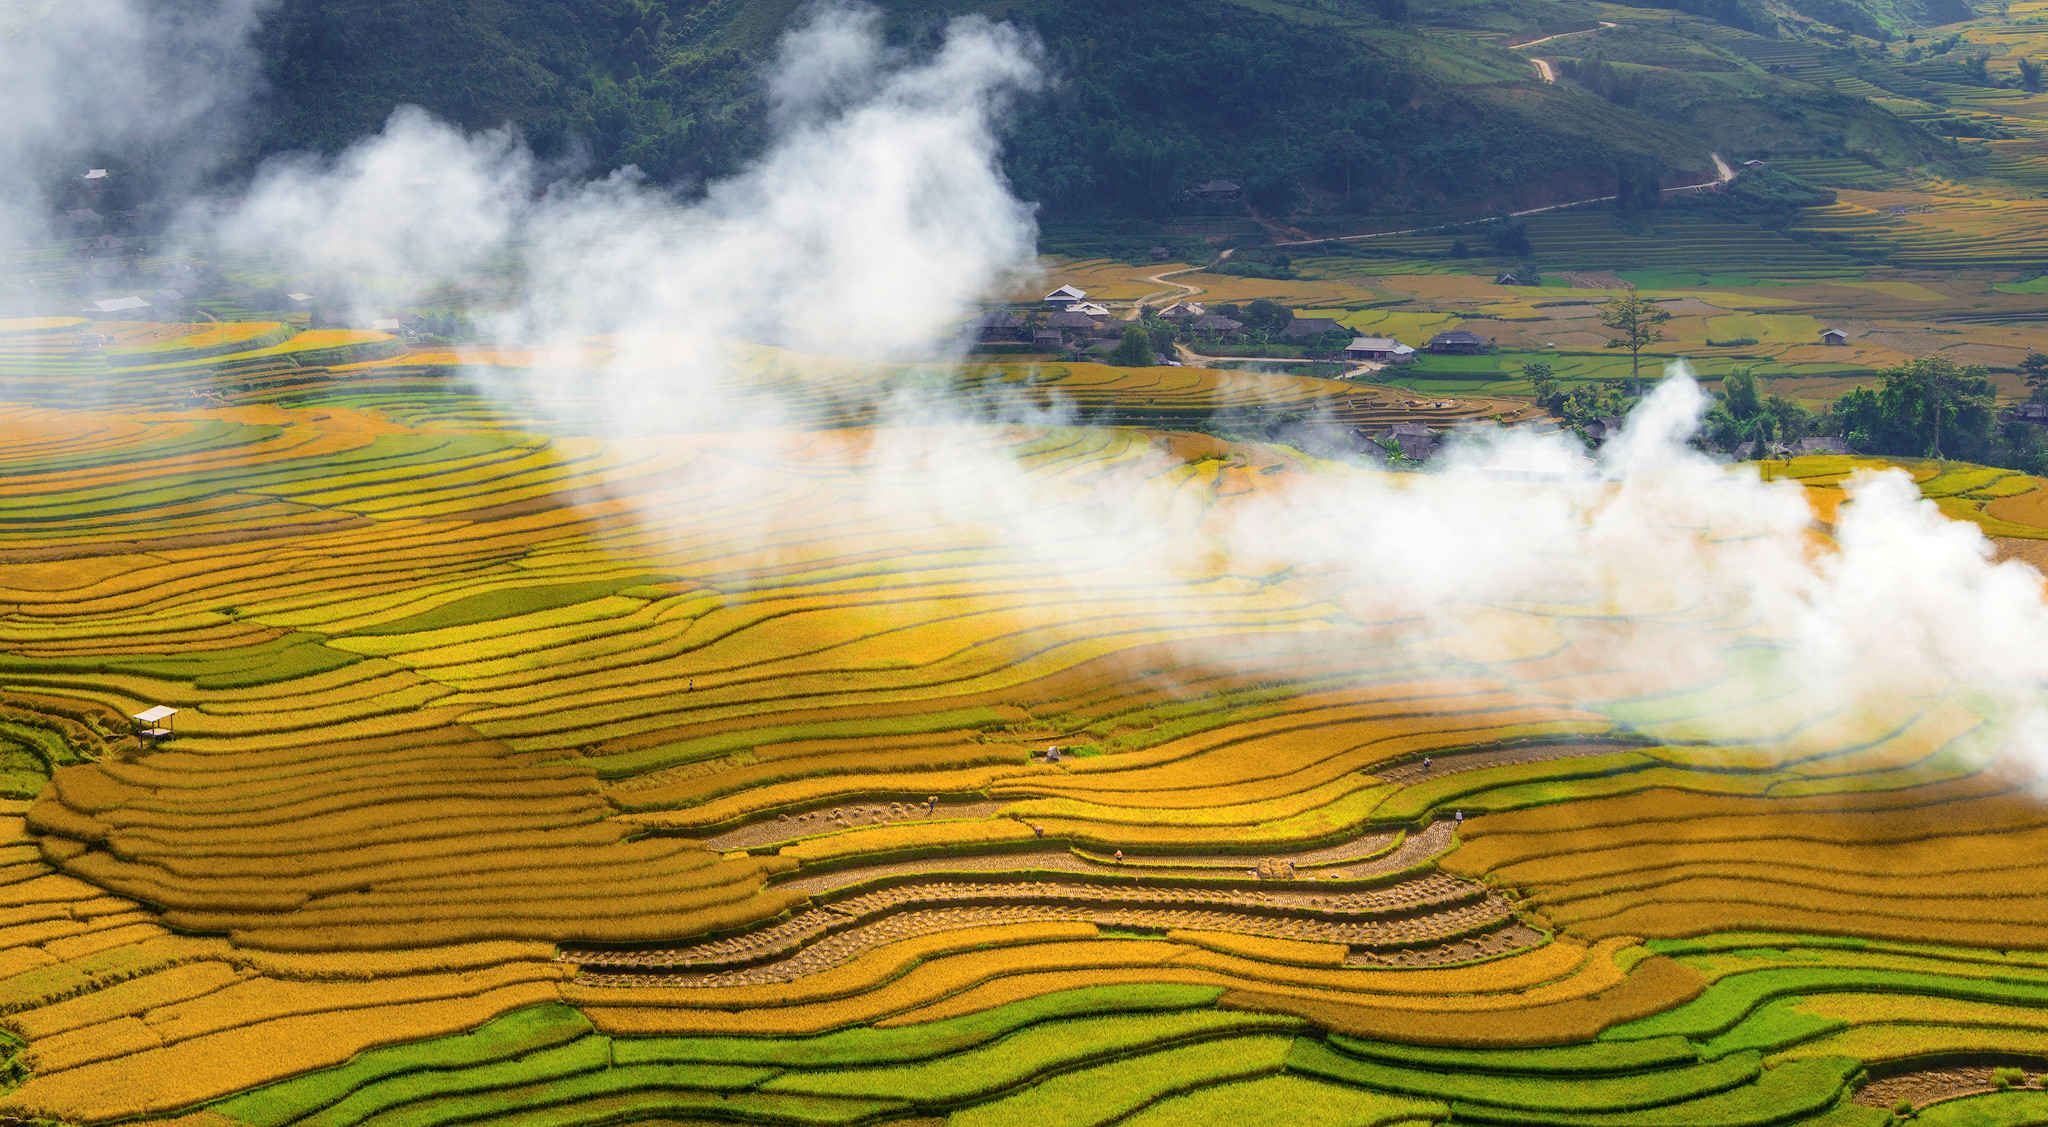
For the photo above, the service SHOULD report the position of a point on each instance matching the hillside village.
(1066, 323)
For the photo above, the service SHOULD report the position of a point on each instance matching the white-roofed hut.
(154, 723)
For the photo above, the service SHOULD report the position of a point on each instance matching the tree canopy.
(1928, 407)
(1633, 323)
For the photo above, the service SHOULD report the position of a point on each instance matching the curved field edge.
(488, 649)
(1073, 1057)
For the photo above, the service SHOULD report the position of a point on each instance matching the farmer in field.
(931, 803)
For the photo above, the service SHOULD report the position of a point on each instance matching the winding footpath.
(1544, 70)
(1722, 174)
(1180, 290)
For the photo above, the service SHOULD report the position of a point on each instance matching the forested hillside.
(1313, 106)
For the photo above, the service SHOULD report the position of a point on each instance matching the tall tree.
(2035, 369)
(1635, 323)
(1134, 351)
(1738, 390)
(1943, 382)
(1267, 316)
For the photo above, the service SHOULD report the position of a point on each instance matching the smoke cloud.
(1900, 604)
(161, 85)
(879, 216)
(866, 231)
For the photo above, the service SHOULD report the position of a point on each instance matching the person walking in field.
(931, 803)
(1426, 761)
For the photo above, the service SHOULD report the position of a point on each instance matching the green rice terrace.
(514, 778)
(719, 643)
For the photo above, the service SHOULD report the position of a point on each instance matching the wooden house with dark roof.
(1458, 342)
(1073, 323)
(1217, 191)
(1000, 325)
(1310, 329)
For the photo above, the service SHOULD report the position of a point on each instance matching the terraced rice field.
(527, 773)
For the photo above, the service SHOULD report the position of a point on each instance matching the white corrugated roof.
(120, 304)
(152, 715)
(1377, 344)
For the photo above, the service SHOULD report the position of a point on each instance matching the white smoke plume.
(865, 231)
(1901, 603)
(160, 84)
(421, 204)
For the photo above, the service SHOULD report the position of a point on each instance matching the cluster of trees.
(1619, 85)
(1135, 349)
(1254, 263)
(1930, 407)
(1764, 196)
(639, 82)
(1927, 408)
(1583, 404)
(1933, 408)
(1506, 236)
(1743, 414)
(1638, 185)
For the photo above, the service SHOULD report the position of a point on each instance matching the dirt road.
(1544, 70)
(1604, 25)
(1180, 290)
(1722, 174)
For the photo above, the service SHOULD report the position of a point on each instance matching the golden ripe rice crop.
(510, 758)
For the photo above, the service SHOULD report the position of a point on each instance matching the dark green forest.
(1318, 107)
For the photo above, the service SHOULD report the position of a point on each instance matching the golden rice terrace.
(526, 775)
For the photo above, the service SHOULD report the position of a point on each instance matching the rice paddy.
(529, 772)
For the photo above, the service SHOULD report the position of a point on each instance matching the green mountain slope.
(1314, 106)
